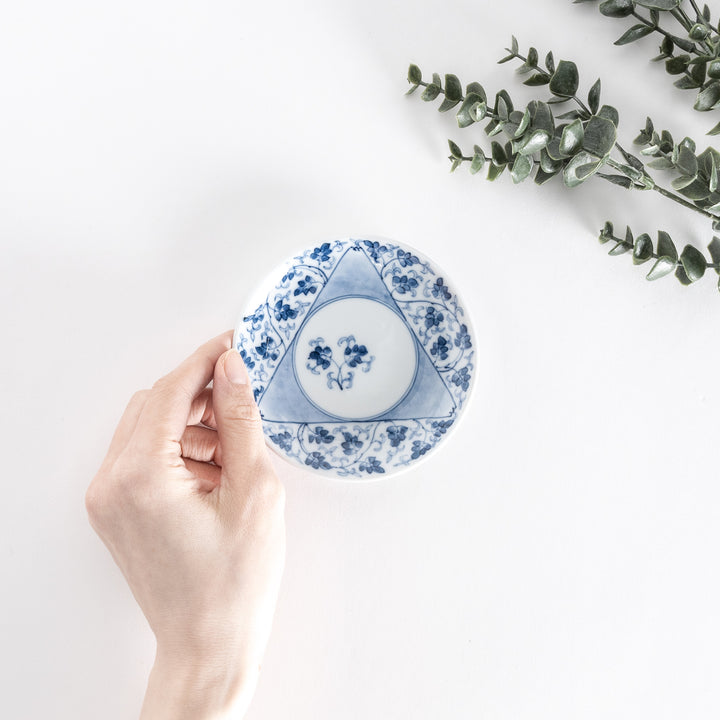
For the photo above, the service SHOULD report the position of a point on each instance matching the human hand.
(191, 510)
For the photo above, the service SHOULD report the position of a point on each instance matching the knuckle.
(270, 490)
(139, 398)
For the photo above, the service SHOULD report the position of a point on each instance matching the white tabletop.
(556, 557)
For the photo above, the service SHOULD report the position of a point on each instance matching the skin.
(192, 512)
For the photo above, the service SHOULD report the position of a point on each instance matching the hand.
(192, 512)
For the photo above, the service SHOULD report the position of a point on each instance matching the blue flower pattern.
(371, 465)
(351, 443)
(306, 286)
(247, 359)
(462, 339)
(461, 378)
(344, 449)
(283, 440)
(440, 348)
(320, 359)
(266, 349)
(322, 253)
(321, 436)
(433, 318)
(283, 311)
(396, 434)
(404, 284)
(440, 290)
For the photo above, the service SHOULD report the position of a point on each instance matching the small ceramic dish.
(360, 356)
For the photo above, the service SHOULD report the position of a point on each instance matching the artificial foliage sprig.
(586, 145)
(690, 44)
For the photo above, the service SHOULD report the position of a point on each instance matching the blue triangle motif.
(355, 276)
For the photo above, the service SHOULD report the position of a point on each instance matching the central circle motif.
(355, 358)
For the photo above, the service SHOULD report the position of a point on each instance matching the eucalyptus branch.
(699, 62)
(576, 150)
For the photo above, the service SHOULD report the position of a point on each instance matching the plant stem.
(655, 256)
(662, 31)
(666, 193)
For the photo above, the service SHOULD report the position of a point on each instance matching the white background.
(556, 558)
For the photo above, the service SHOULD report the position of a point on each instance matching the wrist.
(202, 688)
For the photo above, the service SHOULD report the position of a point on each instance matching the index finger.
(165, 415)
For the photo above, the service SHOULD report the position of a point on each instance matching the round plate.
(360, 356)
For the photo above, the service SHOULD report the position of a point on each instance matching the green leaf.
(666, 247)
(580, 168)
(663, 266)
(550, 63)
(632, 160)
(687, 162)
(414, 75)
(677, 65)
(661, 163)
(634, 33)
(698, 32)
(693, 262)
(609, 112)
(494, 171)
(643, 249)
(477, 89)
(594, 97)
(682, 181)
(453, 88)
(437, 80)
(524, 124)
(532, 57)
(565, 79)
(698, 72)
(681, 275)
(620, 180)
(620, 249)
(617, 8)
(534, 142)
(514, 47)
(541, 118)
(541, 176)
(600, 136)
(714, 250)
(430, 92)
(503, 105)
(478, 161)
(455, 164)
(548, 164)
(471, 111)
(447, 104)
(572, 138)
(659, 4)
(713, 69)
(696, 190)
(536, 80)
(708, 98)
(686, 83)
(498, 155)
(521, 168)
(706, 13)
(455, 151)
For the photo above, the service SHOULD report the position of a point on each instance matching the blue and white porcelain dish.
(361, 358)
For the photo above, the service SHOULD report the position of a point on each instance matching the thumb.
(237, 417)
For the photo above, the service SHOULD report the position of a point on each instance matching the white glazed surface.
(555, 558)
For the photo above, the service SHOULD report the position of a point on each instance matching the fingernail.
(235, 369)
